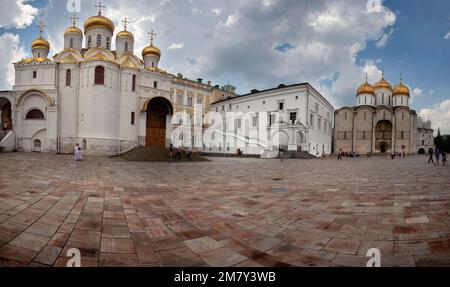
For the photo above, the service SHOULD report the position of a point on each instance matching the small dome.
(74, 30)
(125, 33)
(40, 43)
(151, 50)
(401, 90)
(99, 21)
(365, 88)
(383, 84)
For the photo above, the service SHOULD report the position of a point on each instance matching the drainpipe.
(118, 111)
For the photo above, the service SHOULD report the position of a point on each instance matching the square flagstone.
(222, 257)
(42, 229)
(203, 244)
(113, 245)
(343, 246)
(13, 256)
(30, 241)
(417, 219)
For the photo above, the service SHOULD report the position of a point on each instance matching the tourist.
(177, 153)
(171, 150)
(189, 153)
(340, 154)
(444, 158)
(430, 156)
(78, 152)
(437, 155)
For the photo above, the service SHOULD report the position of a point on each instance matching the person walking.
(430, 156)
(189, 153)
(437, 155)
(444, 158)
(339, 155)
(78, 152)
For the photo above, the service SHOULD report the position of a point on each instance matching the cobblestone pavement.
(226, 212)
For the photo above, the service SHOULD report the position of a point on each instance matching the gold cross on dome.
(74, 19)
(100, 6)
(41, 28)
(152, 35)
(125, 22)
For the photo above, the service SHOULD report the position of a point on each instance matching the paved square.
(223, 212)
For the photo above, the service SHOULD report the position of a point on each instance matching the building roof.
(280, 87)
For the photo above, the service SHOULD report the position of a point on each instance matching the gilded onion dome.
(74, 30)
(99, 21)
(365, 88)
(383, 84)
(401, 89)
(151, 50)
(125, 33)
(40, 43)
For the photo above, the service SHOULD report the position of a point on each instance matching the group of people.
(353, 155)
(434, 157)
(394, 155)
(177, 152)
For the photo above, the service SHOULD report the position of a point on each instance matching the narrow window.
(133, 118)
(68, 78)
(71, 43)
(99, 75)
(99, 40)
(108, 43)
(89, 41)
(34, 74)
(133, 83)
(126, 46)
(293, 118)
(155, 84)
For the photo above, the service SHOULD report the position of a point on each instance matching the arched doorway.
(5, 115)
(383, 136)
(158, 111)
(421, 151)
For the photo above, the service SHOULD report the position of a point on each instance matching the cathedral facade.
(381, 122)
(108, 101)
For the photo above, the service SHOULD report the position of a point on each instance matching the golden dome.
(401, 90)
(73, 29)
(99, 21)
(125, 33)
(383, 84)
(151, 50)
(40, 43)
(365, 88)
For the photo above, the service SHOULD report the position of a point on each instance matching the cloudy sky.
(257, 44)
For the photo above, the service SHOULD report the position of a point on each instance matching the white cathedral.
(107, 101)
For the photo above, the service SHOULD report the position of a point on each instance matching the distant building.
(298, 114)
(382, 122)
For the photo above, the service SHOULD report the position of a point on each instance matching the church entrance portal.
(383, 132)
(158, 112)
(5, 115)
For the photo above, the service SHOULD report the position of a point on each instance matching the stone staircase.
(157, 155)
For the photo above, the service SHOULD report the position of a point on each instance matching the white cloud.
(417, 92)
(231, 20)
(439, 116)
(11, 51)
(16, 14)
(217, 11)
(446, 37)
(176, 46)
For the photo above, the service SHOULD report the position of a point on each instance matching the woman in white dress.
(78, 152)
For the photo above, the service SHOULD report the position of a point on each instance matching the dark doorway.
(383, 147)
(158, 110)
(421, 151)
(5, 114)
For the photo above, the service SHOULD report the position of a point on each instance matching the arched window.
(133, 83)
(99, 40)
(99, 75)
(126, 46)
(35, 114)
(71, 43)
(89, 41)
(68, 78)
(108, 43)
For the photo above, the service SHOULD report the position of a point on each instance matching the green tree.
(439, 141)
